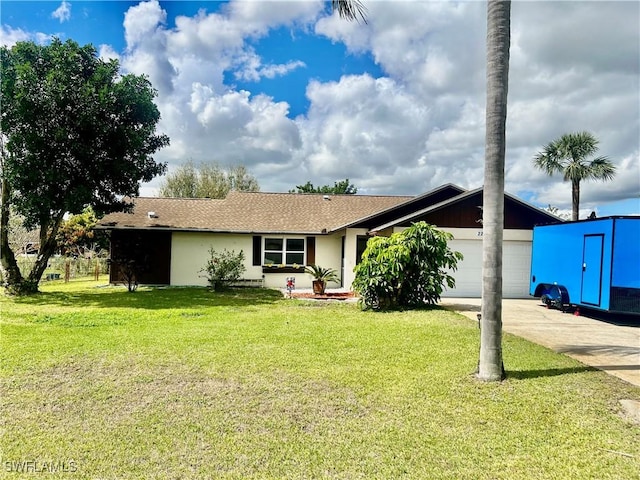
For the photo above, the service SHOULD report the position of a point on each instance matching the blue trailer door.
(592, 269)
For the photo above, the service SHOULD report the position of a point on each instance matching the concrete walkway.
(610, 344)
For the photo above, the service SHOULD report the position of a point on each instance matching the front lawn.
(184, 383)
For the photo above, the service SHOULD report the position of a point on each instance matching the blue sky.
(396, 105)
(101, 23)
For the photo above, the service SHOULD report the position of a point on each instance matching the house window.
(284, 251)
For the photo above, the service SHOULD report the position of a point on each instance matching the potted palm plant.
(321, 276)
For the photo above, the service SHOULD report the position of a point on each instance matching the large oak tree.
(74, 133)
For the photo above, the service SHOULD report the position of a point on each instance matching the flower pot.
(319, 286)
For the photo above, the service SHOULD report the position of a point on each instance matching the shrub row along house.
(280, 233)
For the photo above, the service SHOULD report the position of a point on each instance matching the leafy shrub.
(223, 268)
(407, 269)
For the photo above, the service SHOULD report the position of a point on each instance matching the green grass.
(184, 383)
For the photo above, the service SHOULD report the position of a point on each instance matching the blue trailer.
(589, 263)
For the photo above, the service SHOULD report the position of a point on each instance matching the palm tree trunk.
(575, 199)
(490, 366)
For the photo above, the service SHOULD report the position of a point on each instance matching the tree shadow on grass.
(598, 350)
(153, 298)
(461, 307)
(547, 372)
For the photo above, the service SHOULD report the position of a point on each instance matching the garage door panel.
(468, 276)
(516, 266)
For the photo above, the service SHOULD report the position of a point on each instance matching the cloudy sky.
(396, 105)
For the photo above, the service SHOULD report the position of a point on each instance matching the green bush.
(406, 270)
(224, 268)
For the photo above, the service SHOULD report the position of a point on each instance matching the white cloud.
(43, 38)
(433, 47)
(63, 12)
(145, 34)
(574, 66)
(364, 128)
(253, 70)
(206, 119)
(10, 36)
(141, 23)
(106, 52)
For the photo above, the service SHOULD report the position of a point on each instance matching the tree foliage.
(553, 210)
(77, 236)
(207, 180)
(569, 155)
(406, 270)
(74, 133)
(342, 187)
(223, 268)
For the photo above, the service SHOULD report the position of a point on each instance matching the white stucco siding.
(190, 252)
(328, 252)
(350, 249)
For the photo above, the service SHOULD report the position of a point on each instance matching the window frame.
(283, 267)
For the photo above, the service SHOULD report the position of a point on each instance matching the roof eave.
(209, 230)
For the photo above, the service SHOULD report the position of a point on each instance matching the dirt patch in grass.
(125, 392)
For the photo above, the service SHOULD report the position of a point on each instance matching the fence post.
(96, 271)
(67, 271)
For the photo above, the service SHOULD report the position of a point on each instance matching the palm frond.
(549, 159)
(579, 145)
(575, 171)
(350, 9)
(601, 169)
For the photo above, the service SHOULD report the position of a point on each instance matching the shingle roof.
(252, 212)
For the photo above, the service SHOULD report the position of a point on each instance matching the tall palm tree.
(568, 155)
(490, 366)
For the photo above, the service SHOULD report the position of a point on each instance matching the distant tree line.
(207, 180)
(342, 187)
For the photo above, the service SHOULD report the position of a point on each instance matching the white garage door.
(516, 265)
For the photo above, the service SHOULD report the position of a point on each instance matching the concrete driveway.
(610, 344)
